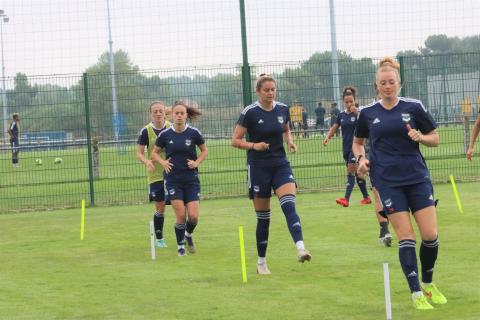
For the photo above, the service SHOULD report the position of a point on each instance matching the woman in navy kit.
(396, 126)
(14, 133)
(182, 186)
(347, 120)
(146, 142)
(384, 237)
(267, 123)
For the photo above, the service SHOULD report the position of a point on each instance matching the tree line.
(59, 103)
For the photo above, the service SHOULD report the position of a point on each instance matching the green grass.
(123, 179)
(48, 273)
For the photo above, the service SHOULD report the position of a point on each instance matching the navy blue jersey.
(266, 126)
(320, 112)
(395, 159)
(14, 130)
(180, 147)
(347, 121)
(143, 137)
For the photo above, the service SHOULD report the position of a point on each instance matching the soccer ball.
(38, 162)
(58, 160)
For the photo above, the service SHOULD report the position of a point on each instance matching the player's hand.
(292, 147)
(150, 166)
(414, 134)
(192, 164)
(363, 167)
(261, 146)
(469, 154)
(167, 165)
(325, 141)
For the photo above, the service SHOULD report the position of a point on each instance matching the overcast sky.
(67, 36)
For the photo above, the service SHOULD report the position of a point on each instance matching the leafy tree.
(20, 98)
(131, 95)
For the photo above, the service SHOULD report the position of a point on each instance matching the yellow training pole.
(242, 254)
(82, 223)
(459, 204)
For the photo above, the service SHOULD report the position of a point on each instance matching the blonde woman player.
(396, 127)
(146, 141)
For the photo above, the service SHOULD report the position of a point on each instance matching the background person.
(182, 186)
(14, 133)
(347, 120)
(384, 236)
(296, 122)
(396, 126)
(266, 122)
(334, 112)
(146, 141)
(320, 115)
(305, 123)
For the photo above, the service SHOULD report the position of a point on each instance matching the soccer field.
(48, 273)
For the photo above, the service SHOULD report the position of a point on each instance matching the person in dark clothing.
(305, 123)
(265, 126)
(334, 112)
(396, 127)
(320, 114)
(14, 133)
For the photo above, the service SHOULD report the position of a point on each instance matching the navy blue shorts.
(156, 192)
(349, 157)
(411, 198)
(186, 191)
(261, 180)
(15, 146)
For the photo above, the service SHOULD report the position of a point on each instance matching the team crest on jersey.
(188, 142)
(280, 119)
(352, 119)
(388, 202)
(405, 117)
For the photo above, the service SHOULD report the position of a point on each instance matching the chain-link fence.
(75, 145)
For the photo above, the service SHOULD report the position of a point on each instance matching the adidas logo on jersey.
(170, 142)
(376, 121)
(260, 121)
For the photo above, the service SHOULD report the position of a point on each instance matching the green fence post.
(89, 139)
(402, 74)
(246, 77)
(444, 89)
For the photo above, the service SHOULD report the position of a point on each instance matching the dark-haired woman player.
(182, 186)
(267, 123)
(347, 120)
